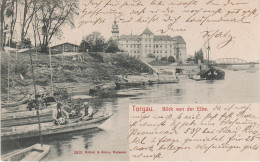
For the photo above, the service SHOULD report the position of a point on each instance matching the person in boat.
(86, 112)
(30, 104)
(59, 115)
(178, 72)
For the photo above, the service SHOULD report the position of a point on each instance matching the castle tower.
(147, 42)
(115, 30)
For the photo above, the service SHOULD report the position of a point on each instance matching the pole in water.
(8, 78)
(50, 65)
(51, 70)
(37, 108)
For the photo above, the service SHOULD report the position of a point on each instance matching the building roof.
(147, 31)
(64, 43)
(130, 37)
(163, 38)
(179, 40)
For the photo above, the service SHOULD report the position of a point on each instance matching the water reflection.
(238, 87)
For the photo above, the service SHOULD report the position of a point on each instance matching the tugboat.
(210, 73)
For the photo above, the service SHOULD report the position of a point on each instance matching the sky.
(245, 37)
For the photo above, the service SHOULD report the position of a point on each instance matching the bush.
(21, 68)
(150, 55)
(112, 47)
(171, 59)
(96, 56)
(164, 58)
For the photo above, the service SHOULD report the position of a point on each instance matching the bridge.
(232, 61)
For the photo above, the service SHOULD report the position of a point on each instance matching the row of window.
(150, 40)
(147, 45)
(161, 51)
(134, 51)
(155, 51)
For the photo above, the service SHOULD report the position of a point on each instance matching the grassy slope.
(68, 72)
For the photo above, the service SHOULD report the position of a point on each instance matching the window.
(149, 45)
(146, 40)
(134, 51)
(130, 46)
(165, 51)
(146, 45)
(165, 46)
(161, 51)
(171, 46)
(134, 46)
(126, 45)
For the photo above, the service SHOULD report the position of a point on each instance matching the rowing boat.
(9, 119)
(33, 153)
(27, 131)
(128, 84)
(162, 81)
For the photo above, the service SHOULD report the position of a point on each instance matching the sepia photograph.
(130, 80)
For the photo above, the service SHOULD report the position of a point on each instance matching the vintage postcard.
(130, 80)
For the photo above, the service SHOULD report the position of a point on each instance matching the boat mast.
(208, 48)
(37, 108)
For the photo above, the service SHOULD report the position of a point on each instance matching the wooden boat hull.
(212, 74)
(162, 82)
(21, 132)
(33, 153)
(129, 84)
(26, 117)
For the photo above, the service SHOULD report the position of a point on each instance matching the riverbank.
(96, 71)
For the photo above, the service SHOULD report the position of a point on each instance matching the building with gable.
(147, 44)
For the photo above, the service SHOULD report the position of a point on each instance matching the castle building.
(147, 44)
(115, 30)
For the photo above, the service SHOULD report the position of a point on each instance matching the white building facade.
(147, 44)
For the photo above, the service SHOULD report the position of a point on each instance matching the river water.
(238, 87)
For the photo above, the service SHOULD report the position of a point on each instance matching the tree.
(112, 47)
(150, 55)
(96, 42)
(164, 58)
(36, 13)
(199, 56)
(171, 59)
(52, 15)
(84, 46)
